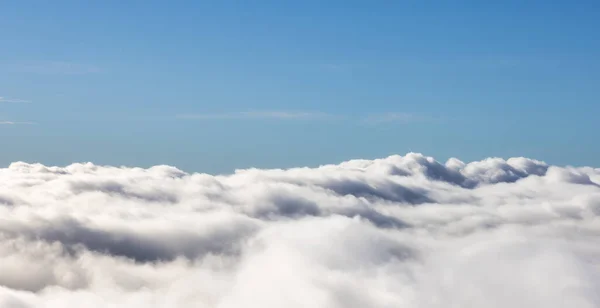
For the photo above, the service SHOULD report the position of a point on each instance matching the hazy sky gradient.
(215, 86)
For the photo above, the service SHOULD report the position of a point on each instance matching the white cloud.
(397, 117)
(59, 68)
(256, 115)
(12, 100)
(402, 231)
(16, 123)
(388, 117)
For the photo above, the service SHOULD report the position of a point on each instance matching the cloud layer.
(403, 231)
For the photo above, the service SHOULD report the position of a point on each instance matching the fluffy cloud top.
(403, 231)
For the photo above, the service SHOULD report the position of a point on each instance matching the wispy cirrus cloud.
(12, 100)
(395, 117)
(16, 101)
(16, 123)
(291, 115)
(58, 68)
(371, 119)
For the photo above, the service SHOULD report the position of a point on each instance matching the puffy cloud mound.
(403, 231)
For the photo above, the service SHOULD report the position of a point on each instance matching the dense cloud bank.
(403, 231)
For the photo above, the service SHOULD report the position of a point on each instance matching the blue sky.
(212, 86)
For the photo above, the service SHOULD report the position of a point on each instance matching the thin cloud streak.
(372, 119)
(12, 100)
(16, 123)
(395, 117)
(59, 68)
(256, 115)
